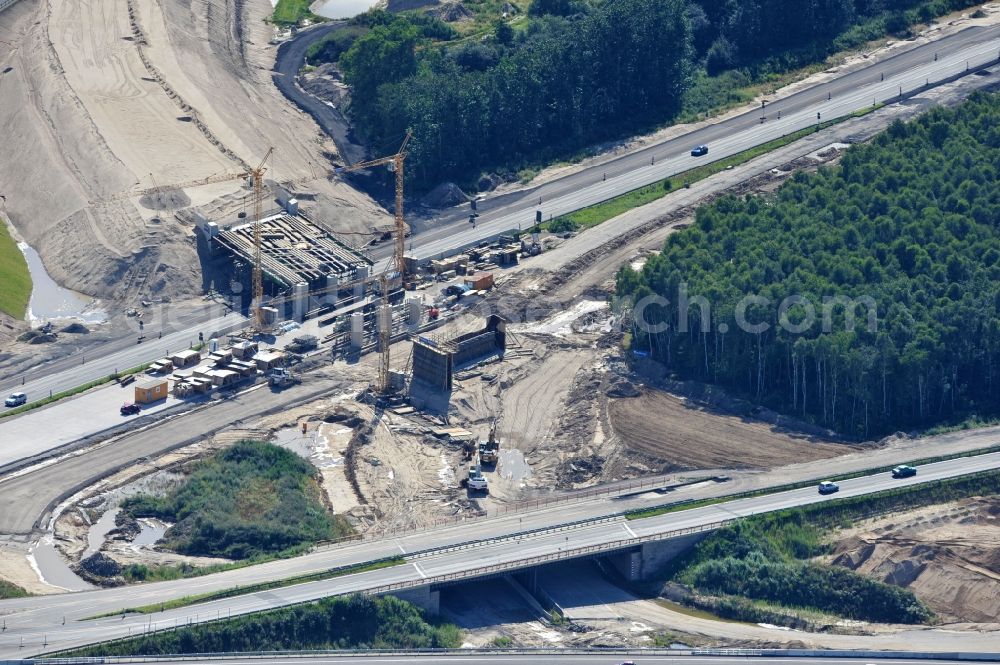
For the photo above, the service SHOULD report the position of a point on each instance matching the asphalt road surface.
(120, 354)
(880, 82)
(562, 659)
(29, 496)
(460, 552)
(290, 58)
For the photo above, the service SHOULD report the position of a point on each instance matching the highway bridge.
(433, 558)
(560, 656)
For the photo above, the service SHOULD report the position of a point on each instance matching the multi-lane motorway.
(613, 657)
(881, 82)
(42, 624)
(118, 355)
(445, 554)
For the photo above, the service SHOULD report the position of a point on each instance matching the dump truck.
(489, 450)
(279, 377)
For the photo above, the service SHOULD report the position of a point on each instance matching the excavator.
(489, 450)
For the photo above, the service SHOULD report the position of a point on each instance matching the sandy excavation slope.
(948, 555)
(107, 97)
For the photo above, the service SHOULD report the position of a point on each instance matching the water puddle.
(337, 9)
(51, 301)
(98, 533)
(513, 466)
(52, 569)
(152, 531)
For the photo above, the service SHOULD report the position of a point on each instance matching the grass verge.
(586, 218)
(700, 503)
(8, 590)
(15, 280)
(184, 601)
(293, 12)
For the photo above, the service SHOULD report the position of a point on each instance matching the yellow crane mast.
(257, 176)
(395, 164)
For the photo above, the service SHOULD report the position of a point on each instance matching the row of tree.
(906, 228)
(352, 622)
(797, 584)
(575, 73)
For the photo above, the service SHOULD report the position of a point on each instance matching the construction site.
(424, 392)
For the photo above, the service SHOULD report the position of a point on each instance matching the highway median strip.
(222, 594)
(591, 216)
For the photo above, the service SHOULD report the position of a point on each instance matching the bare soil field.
(105, 98)
(686, 435)
(948, 555)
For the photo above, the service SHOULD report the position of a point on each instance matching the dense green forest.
(909, 222)
(249, 500)
(768, 558)
(354, 622)
(577, 72)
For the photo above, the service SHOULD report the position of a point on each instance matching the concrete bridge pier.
(647, 560)
(424, 597)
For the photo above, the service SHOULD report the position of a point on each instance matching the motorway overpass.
(432, 558)
(562, 657)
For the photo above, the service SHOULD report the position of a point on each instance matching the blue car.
(699, 151)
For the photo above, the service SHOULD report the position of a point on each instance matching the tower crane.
(257, 178)
(395, 164)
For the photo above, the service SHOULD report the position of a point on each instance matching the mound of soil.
(165, 199)
(76, 328)
(99, 569)
(577, 470)
(36, 337)
(445, 195)
(451, 12)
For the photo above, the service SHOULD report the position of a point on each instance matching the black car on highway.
(699, 151)
(903, 471)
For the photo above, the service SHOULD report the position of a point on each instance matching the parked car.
(16, 399)
(827, 487)
(129, 409)
(903, 471)
(699, 151)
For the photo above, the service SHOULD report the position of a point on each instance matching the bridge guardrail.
(542, 651)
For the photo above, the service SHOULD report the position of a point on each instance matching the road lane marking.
(400, 546)
(627, 528)
(416, 567)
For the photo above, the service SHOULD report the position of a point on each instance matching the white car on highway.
(17, 399)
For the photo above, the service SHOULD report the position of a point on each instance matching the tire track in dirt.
(531, 406)
(668, 428)
(140, 40)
